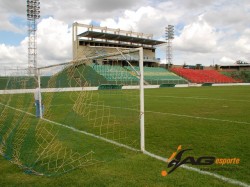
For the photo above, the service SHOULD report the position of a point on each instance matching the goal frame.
(141, 85)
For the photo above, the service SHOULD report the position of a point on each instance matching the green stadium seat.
(158, 75)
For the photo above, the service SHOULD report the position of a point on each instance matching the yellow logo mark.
(164, 173)
(174, 154)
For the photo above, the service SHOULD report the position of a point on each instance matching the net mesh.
(83, 105)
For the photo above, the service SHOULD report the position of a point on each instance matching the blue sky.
(14, 38)
(11, 38)
(206, 31)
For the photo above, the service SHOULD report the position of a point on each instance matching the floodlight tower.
(169, 38)
(33, 14)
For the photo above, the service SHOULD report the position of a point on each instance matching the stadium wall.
(47, 90)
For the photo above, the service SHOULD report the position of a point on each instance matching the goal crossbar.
(92, 58)
(140, 75)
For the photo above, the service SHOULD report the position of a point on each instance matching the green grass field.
(213, 121)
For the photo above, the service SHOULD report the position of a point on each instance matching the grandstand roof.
(122, 38)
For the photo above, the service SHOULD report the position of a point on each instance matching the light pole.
(33, 14)
(169, 38)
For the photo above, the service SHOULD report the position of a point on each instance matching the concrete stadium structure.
(100, 40)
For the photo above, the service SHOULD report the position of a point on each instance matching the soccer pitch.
(212, 121)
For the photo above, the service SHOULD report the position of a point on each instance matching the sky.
(207, 32)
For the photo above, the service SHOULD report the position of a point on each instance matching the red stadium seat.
(203, 76)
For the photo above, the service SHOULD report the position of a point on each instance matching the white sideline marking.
(199, 98)
(212, 119)
(173, 114)
(166, 113)
(232, 84)
(76, 130)
(220, 177)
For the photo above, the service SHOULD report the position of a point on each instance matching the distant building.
(237, 66)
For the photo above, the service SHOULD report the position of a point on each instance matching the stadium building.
(101, 40)
(89, 41)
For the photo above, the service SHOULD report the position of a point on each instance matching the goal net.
(74, 114)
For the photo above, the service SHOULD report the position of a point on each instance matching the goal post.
(98, 99)
(40, 93)
(142, 118)
(124, 54)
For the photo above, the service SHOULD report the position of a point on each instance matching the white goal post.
(140, 76)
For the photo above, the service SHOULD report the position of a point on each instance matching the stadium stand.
(203, 76)
(158, 75)
(3, 82)
(83, 75)
(16, 82)
(96, 75)
(115, 74)
(243, 76)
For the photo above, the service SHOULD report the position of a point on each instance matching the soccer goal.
(99, 97)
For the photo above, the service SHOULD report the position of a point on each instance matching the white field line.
(232, 84)
(195, 117)
(220, 177)
(173, 114)
(199, 98)
(93, 135)
(76, 130)
(166, 113)
(48, 90)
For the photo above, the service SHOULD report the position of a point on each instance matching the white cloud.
(197, 37)
(130, 19)
(243, 43)
(109, 5)
(97, 10)
(143, 20)
(54, 45)
(226, 60)
(197, 4)
(233, 16)
(54, 41)
(221, 34)
(10, 55)
(8, 9)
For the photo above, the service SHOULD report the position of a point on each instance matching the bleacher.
(82, 75)
(203, 76)
(17, 82)
(158, 75)
(96, 75)
(115, 74)
(243, 76)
